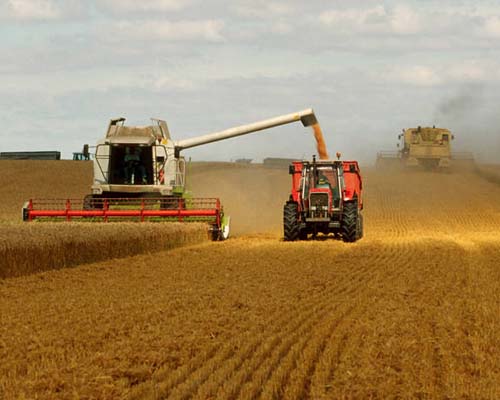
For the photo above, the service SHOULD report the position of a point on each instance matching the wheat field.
(410, 311)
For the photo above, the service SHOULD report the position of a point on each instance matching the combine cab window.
(128, 161)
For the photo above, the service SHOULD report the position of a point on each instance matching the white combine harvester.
(140, 174)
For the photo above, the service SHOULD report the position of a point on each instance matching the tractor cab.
(320, 187)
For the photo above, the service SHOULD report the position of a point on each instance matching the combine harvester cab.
(140, 175)
(326, 198)
(427, 148)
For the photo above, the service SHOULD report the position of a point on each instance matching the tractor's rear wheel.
(290, 222)
(350, 222)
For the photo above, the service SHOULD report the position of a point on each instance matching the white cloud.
(468, 72)
(207, 30)
(492, 26)
(418, 75)
(263, 9)
(378, 19)
(170, 83)
(33, 9)
(281, 27)
(404, 20)
(119, 6)
(363, 20)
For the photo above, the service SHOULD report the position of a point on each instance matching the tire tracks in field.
(276, 368)
(299, 357)
(176, 384)
(298, 380)
(323, 374)
(282, 374)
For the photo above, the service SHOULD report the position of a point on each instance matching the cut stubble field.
(411, 311)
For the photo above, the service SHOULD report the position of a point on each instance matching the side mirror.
(291, 169)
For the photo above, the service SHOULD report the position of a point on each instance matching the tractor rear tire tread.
(350, 224)
(290, 221)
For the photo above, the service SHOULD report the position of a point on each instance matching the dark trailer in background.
(30, 155)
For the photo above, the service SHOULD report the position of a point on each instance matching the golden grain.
(411, 311)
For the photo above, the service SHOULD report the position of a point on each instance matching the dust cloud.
(252, 195)
(473, 115)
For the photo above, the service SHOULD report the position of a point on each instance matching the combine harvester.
(326, 197)
(425, 147)
(139, 174)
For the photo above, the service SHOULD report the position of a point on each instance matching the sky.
(367, 68)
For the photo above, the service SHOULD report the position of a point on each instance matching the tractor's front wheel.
(290, 221)
(350, 227)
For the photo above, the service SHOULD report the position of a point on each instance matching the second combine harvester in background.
(425, 147)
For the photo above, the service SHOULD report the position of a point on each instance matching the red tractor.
(326, 198)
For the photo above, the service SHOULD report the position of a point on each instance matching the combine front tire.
(172, 203)
(88, 202)
(350, 228)
(290, 221)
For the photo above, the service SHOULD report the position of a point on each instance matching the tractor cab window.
(326, 178)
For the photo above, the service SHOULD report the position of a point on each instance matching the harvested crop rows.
(410, 311)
